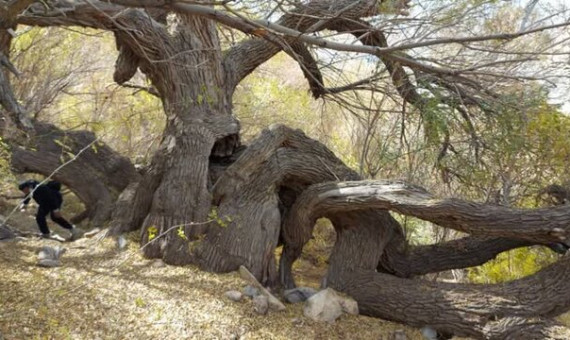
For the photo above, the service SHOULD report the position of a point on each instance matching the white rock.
(399, 335)
(49, 257)
(429, 333)
(327, 305)
(122, 242)
(158, 264)
(51, 253)
(233, 295)
(348, 305)
(47, 263)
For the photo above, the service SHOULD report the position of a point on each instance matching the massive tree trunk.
(248, 193)
(274, 190)
(199, 125)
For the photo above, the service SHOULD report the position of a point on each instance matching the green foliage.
(222, 221)
(435, 119)
(181, 234)
(527, 147)
(72, 87)
(512, 265)
(152, 232)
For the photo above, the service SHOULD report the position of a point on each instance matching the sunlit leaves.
(152, 232)
(222, 221)
(512, 265)
(72, 87)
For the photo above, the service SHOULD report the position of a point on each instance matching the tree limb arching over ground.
(283, 181)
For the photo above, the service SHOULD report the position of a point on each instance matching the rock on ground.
(50, 257)
(158, 264)
(122, 242)
(299, 294)
(399, 335)
(327, 305)
(250, 291)
(274, 302)
(233, 295)
(260, 304)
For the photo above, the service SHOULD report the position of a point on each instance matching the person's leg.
(58, 218)
(41, 220)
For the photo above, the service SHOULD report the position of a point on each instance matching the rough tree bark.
(195, 84)
(187, 71)
(266, 193)
(248, 193)
(482, 311)
(96, 177)
(199, 123)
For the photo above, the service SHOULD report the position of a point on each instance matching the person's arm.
(25, 202)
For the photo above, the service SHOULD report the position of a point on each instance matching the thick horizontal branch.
(516, 310)
(94, 14)
(537, 225)
(456, 254)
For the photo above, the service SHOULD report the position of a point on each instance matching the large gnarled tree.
(278, 186)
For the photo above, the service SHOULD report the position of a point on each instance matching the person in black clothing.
(49, 199)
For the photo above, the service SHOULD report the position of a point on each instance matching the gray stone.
(50, 257)
(349, 306)
(260, 304)
(250, 291)
(158, 264)
(274, 303)
(233, 295)
(327, 305)
(399, 335)
(122, 242)
(429, 333)
(299, 294)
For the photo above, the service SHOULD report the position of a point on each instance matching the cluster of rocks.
(260, 301)
(326, 305)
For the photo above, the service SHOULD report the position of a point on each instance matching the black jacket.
(47, 197)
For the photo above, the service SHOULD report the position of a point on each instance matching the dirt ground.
(103, 293)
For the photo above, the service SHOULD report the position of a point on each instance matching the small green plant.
(181, 233)
(222, 221)
(152, 232)
(140, 303)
